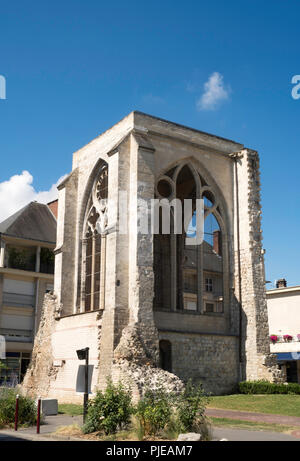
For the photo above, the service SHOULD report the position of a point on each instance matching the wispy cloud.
(215, 92)
(16, 192)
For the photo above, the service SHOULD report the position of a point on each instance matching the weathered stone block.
(49, 407)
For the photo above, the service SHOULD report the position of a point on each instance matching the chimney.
(53, 207)
(281, 283)
(217, 242)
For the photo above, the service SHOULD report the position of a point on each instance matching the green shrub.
(137, 428)
(173, 427)
(265, 387)
(159, 410)
(27, 408)
(110, 410)
(190, 407)
(154, 410)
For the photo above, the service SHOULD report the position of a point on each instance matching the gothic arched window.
(94, 245)
(189, 277)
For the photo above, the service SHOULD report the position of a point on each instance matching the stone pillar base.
(135, 369)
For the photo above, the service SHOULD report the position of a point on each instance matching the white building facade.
(284, 324)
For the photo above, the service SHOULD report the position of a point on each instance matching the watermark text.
(2, 87)
(296, 88)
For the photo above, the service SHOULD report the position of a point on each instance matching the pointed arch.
(190, 273)
(92, 251)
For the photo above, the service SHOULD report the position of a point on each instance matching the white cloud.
(18, 191)
(214, 93)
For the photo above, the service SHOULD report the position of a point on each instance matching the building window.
(93, 271)
(14, 368)
(182, 268)
(18, 293)
(214, 307)
(209, 285)
(165, 355)
(94, 246)
(220, 307)
(22, 258)
(209, 307)
(190, 303)
(47, 261)
(190, 282)
(292, 372)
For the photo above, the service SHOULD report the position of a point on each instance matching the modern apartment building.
(27, 241)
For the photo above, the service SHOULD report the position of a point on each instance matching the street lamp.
(83, 354)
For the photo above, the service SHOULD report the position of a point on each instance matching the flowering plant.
(274, 338)
(287, 337)
(298, 336)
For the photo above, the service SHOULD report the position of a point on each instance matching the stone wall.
(70, 334)
(54, 366)
(41, 370)
(209, 359)
(255, 345)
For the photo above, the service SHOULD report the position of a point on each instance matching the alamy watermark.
(2, 87)
(295, 355)
(155, 216)
(296, 88)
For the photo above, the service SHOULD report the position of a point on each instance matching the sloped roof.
(211, 260)
(34, 222)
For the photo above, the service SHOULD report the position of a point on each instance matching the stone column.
(141, 275)
(83, 275)
(59, 243)
(67, 241)
(250, 269)
(102, 272)
(110, 313)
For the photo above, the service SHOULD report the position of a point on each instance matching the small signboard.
(80, 381)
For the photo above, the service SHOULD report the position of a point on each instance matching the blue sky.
(74, 68)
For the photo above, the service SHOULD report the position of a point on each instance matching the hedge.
(265, 387)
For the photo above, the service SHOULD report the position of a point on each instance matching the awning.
(288, 356)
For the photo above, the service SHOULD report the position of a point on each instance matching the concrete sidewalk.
(50, 426)
(52, 423)
(254, 417)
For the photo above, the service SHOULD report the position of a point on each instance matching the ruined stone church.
(148, 305)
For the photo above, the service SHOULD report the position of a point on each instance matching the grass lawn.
(249, 425)
(288, 405)
(70, 409)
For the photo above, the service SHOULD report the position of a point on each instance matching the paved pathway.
(255, 417)
(53, 422)
(242, 435)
